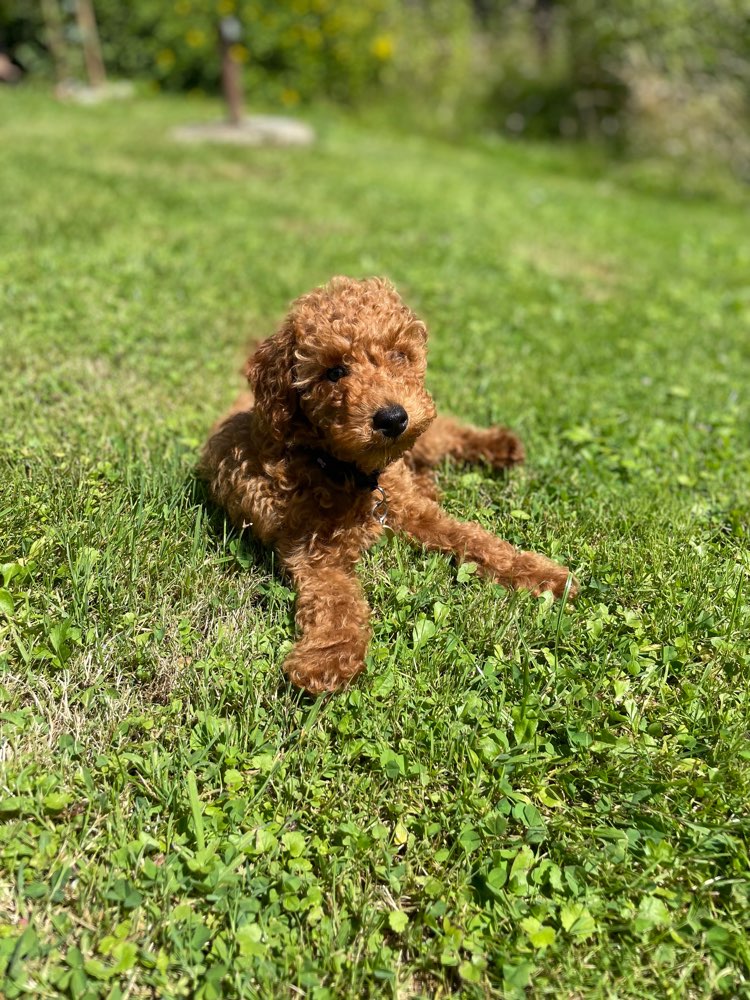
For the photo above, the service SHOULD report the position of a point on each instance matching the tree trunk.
(92, 52)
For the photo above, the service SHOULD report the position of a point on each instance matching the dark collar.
(344, 472)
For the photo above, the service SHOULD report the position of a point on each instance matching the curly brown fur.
(298, 463)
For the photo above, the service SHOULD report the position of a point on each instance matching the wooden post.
(230, 33)
(92, 51)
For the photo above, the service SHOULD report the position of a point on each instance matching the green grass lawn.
(516, 796)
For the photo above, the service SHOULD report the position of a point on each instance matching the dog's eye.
(334, 374)
(397, 356)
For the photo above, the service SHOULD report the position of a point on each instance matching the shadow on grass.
(239, 548)
(239, 551)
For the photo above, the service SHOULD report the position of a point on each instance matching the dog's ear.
(270, 373)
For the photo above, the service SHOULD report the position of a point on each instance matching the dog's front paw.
(538, 574)
(319, 668)
(501, 448)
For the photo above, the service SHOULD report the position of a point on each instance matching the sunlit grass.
(515, 795)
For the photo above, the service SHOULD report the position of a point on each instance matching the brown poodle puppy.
(338, 442)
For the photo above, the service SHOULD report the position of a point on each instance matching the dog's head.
(346, 373)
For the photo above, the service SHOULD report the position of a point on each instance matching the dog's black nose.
(391, 421)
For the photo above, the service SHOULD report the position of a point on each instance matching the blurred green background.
(665, 79)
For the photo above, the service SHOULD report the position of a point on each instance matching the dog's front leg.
(332, 617)
(424, 520)
(497, 446)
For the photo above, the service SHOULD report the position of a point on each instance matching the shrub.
(651, 76)
(293, 50)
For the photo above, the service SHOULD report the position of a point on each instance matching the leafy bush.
(438, 68)
(585, 62)
(292, 51)
(649, 77)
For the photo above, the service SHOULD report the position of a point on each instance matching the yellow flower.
(224, 7)
(196, 38)
(313, 38)
(238, 53)
(165, 59)
(289, 97)
(382, 47)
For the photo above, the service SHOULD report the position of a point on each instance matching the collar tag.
(380, 507)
